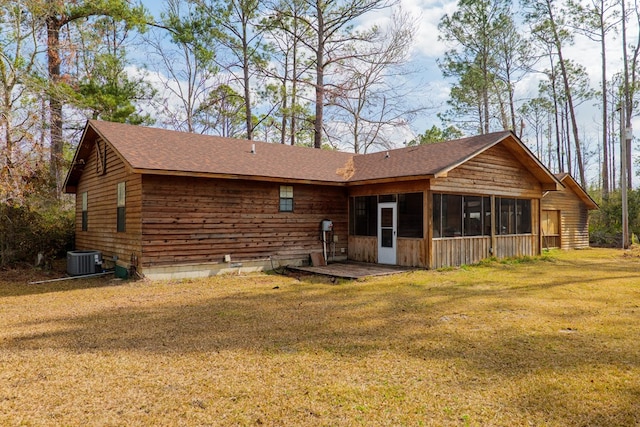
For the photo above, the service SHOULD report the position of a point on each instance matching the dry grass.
(547, 342)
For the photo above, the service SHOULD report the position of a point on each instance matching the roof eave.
(70, 187)
(580, 192)
(547, 179)
(164, 172)
(390, 179)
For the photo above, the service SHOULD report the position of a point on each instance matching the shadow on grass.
(355, 319)
(10, 286)
(526, 330)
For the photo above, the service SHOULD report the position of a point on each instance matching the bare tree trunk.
(605, 122)
(246, 80)
(628, 99)
(567, 88)
(317, 124)
(55, 105)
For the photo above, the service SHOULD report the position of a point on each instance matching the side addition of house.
(565, 215)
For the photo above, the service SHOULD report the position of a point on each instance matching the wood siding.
(494, 172)
(197, 220)
(460, 251)
(412, 252)
(574, 218)
(516, 246)
(363, 249)
(100, 180)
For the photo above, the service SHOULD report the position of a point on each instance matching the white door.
(387, 233)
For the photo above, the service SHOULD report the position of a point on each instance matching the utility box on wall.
(80, 263)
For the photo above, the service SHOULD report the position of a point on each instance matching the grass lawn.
(553, 341)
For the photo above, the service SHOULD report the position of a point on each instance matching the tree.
(232, 24)
(371, 100)
(554, 89)
(514, 59)
(549, 27)
(222, 111)
(538, 113)
(330, 24)
(56, 16)
(467, 99)
(286, 33)
(105, 88)
(185, 68)
(631, 71)
(436, 134)
(596, 20)
(19, 92)
(475, 29)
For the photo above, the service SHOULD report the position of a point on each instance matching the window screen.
(363, 216)
(410, 215)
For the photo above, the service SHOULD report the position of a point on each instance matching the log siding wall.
(102, 201)
(574, 218)
(198, 220)
(495, 172)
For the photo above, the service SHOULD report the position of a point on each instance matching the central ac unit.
(84, 262)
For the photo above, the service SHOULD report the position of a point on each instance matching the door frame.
(388, 255)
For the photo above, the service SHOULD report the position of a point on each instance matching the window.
(121, 216)
(473, 216)
(523, 216)
(363, 216)
(457, 216)
(286, 198)
(451, 215)
(85, 212)
(514, 216)
(410, 215)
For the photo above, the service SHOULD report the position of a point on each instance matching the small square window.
(286, 198)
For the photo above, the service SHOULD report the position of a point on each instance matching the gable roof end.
(571, 183)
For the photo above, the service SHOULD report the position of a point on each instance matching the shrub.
(25, 232)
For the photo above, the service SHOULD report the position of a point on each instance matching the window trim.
(286, 201)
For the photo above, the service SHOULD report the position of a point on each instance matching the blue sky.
(435, 89)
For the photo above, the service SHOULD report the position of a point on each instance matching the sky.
(427, 49)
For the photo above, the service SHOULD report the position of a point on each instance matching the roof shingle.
(154, 150)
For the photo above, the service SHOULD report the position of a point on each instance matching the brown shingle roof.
(154, 150)
(422, 160)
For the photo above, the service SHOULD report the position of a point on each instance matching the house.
(173, 204)
(565, 216)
